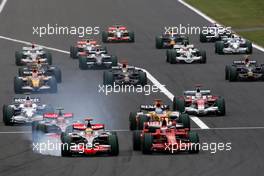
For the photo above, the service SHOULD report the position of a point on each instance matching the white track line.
(2, 5)
(164, 90)
(211, 20)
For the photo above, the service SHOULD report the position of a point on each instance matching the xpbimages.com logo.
(80, 31)
(194, 30)
(116, 88)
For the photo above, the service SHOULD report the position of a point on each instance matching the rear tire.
(113, 142)
(142, 120)
(178, 104)
(57, 74)
(104, 37)
(8, 113)
(114, 61)
(194, 139)
(227, 70)
(108, 78)
(220, 103)
(18, 84)
(49, 58)
(249, 47)
(132, 121)
(185, 120)
(83, 63)
(143, 78)
(203, 38)
(203, 55)
(18, 56)
(53, 85)
(131, 36)
(74, 52)
(159, 43)
(136, 140)
(147, 143)
(233, 74)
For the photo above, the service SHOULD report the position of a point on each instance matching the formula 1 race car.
(35, 83)
(215, 33)
(157, 112)
(244, 70)
(97, 60)
(24, 110)
(85, 46)
(164, 137)
(233, 45)
(185, 54)
(169, 40)
(118, 33)
(42, 68)
(199, 102)
(125, 75)
(52, 124)
(32, 54)
(88, 139)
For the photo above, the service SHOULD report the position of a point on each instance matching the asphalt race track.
(78, 91)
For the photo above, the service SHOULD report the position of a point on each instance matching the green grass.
(239, 14)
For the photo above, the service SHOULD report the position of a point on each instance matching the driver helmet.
(158, 109)
(34, 73)
(88, 131)
(28, 102)
(198, 93)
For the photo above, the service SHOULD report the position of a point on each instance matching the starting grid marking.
(194, 129)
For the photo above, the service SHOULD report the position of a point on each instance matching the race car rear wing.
(153, 107)
(243, 62)
(193, 92)
(22, 100)
(56, 115)
(36, 48)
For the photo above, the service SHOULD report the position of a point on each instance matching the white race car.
(233, 45)
(185, 54)
(24, 110)
(32, 54)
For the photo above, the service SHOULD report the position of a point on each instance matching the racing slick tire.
(8, 113)
(83, 63)
(57, 74)
(74, 52)
(143, 78)
(159, 43)
(35, 132)
(233, 74)
(21, 71)
(53, 85)
(18, 56)
(185, 120)
(18, 83)
(147, 143)
(104, 37)
(132, 121)
(178, 104)
(65, 147)
(227, 69)
(220, 103)
(219, 47)
(194, 139)
(203, 38)
(172, 57)
(108, 78)
(114, 146)
(136, 140)
(131, 36)
(142, 120)
(249, 47)
(203, 55)
(114, 61)
(49, 58)
(262, 71)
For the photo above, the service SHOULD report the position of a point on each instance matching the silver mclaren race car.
(185, 54)
(98, 59)
(32, 54)
(233, 45)
(214, 33)
(24, 110)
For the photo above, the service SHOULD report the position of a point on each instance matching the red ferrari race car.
(118, 33)
(88, 139)
(53, 124)
(156, 113)
(165, 137)
(199, 102)
(86, 46)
